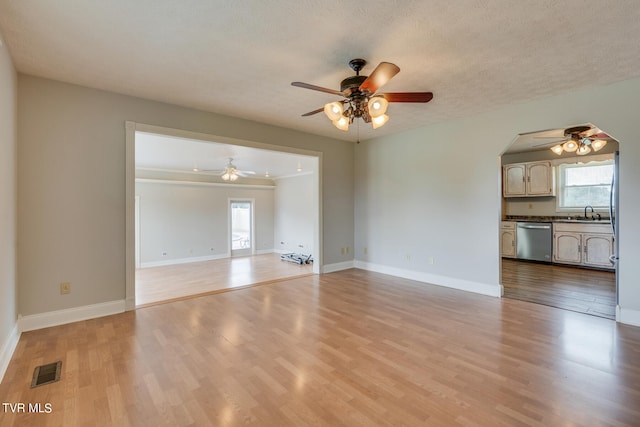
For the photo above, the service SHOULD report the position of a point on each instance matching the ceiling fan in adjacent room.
(361, 98)
(578, 139)
(230, 172)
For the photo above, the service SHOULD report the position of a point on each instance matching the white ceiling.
(183, 155)
(238, 58)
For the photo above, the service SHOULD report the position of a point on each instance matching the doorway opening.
(186, 221)
(241, 227)
(558, 232)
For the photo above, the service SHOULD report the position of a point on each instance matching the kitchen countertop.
(569, 219)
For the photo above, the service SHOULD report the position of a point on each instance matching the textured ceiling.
(238, 58)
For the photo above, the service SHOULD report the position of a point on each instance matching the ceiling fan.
(360, 97)
(230, 172)
(581, 139)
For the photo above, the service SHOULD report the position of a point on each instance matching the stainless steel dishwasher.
(534, 241)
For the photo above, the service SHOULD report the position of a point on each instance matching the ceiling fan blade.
(311, 113)
(318, 88)
(247, 172)
(557, 141)
(379, 77)
(408, 96)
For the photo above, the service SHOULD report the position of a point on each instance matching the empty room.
(319, 213)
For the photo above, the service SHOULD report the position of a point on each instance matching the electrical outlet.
(408, 257)
(346, 250)
(65, 288)
(164, 254)
(430, 260)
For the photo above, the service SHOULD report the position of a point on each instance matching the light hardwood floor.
(159, 284)
(577, 289)
(352, 348)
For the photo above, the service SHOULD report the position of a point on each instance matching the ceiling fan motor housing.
(351, 84)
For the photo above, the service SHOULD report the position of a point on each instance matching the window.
(582, 184)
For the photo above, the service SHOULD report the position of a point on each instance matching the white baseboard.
(264, 251)
(195, 259)
(338, 266)
(434, 279)
(60, 317)
(8, 347)
(627, 316)
(182, 260)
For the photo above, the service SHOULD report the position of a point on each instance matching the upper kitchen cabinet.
(531, 179)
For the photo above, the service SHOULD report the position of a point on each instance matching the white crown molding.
(205, 184)
(293, 175)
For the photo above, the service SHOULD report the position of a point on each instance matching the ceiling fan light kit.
(230, 173)
(581, 145)
(361, 98)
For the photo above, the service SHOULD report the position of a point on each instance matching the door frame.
(132, 127)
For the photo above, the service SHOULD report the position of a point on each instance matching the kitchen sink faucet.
(585, 211)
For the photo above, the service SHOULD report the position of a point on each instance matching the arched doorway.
(557, 236)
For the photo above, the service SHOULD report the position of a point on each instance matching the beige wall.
(8, 142)
(446, 203)
(71, 186)
(445, 208)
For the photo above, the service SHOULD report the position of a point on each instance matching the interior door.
(241, 238)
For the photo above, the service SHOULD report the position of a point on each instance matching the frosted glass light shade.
(584, 149)
(598, 144)
(229, 176)
(570, 146)
(376, 122)
(557, 149)
(377, 106)
(333, 110)
(342, 123)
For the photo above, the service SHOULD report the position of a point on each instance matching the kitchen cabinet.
(588, 245)
(508, 239)
(531, 179)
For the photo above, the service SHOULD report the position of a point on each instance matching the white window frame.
(607, 158)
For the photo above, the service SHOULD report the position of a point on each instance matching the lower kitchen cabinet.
(508, 239)
(588, 245)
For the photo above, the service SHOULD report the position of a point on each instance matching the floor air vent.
(46, 374)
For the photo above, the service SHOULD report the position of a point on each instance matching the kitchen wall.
(71, 186)
(295, 207)
(438, 220)
(8, 203)
(546, 206)
(189, 221)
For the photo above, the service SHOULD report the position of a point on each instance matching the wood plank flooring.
(577, 289)
(159, 284)
(352, 348)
